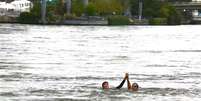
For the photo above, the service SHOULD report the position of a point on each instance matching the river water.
(69, 63)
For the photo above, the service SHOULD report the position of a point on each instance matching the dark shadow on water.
(187, 51)
(8, 94)
(12, 29)
(167, 51)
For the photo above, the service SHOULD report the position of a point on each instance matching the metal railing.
(187, 3)
(9, 13)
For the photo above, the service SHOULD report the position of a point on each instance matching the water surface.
(62, 63)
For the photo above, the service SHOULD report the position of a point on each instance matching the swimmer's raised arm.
(128, 83)
(122, 83)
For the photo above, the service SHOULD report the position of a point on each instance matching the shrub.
(107, 7)
(69, 17)
(150, 7)
(52, 17)
(28, 18)
(91, 10)
(78, 7)
(118, 20)
(173, 16)
(31, 17)
(158, 21)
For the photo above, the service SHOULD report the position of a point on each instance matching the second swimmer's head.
(105, 85)
(135, 86)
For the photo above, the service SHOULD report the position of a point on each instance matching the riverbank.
(8, 19)
(95, 21)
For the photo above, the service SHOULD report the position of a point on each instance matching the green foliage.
(157, 9)
(150, 8)
(174, 19)
(36, 8)
(28, 18)
(51, 17)
(91, 10)
(118, 20)
(134, 7)
(55, 11)
(31, 17)
(154, 10)
(69, 17)
(108, 7)
(78, 7)
(51, 12)
(158, 21)
(172, 15)
(60, 8)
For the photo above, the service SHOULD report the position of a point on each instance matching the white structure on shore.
(196, 13)
(195, 0)
(22, 5)
(15, 8)
(6, 6)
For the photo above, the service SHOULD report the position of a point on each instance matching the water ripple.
(69, 63)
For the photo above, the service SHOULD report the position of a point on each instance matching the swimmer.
(105, 85)
(133, 87)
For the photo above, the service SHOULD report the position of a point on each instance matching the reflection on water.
(61, 63)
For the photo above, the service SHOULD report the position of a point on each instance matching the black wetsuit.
(121, 85)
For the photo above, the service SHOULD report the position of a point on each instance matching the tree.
(78, 7)
(108, 7)
(91, 9)
(60, 9)
(150, 8)
(157, 9)
(168, 11)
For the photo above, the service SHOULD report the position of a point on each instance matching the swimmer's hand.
(126, 76)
